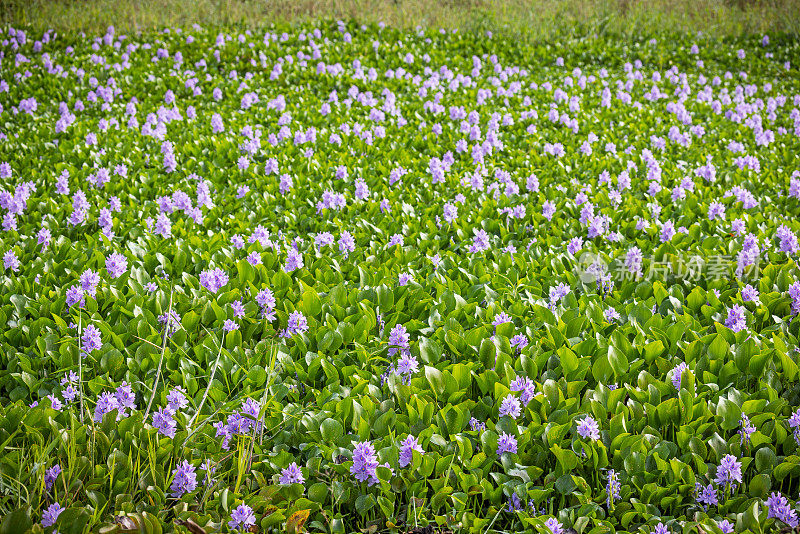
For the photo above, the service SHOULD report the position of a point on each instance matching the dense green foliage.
(479, 287)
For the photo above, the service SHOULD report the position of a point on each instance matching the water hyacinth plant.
(334, 277)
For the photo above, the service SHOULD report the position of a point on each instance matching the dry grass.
(521, 19)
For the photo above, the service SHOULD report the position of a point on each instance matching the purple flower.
(520, 341)
(407, 448)
(238, 308)
(716, 211)
(554, 526)
(50, 516)
(163, 226)
(297, 323)
(89, 281)
(10, 222)
(510, 407)
(506, 443)
(779, 508)
(736, 319)
(266, 300)
(362, 190)
(746, 429)
(407, 364)
(209, 468)
(213, 280)
(116, 264)
(125, 397)
(242, 518)
(476, 425)
(396, 239)
(514, 504)
(176, 399)
(43, 238)
(502, 318)
(291, 475)
(725, 526)
(676, 374)
(613, 488)
(294, 261)
(171, 321)
(75, 295)
(661, 528)
(323, 239)
(216, 123)
(50, 476)
(69, 393)
(164, 423)
(526, 386)
(55, 403)
(575, 245)
(667, 231)
(707, 496)
(480, 242)
(106, 403)
(286, 183)
(230, 325)
(548, 210)
(169, 161)
(365, 463)
(398, 339)
(749, 255)
(10, 261)
(788, 240)
(450, 212)
(729, 471)
(588, 428)
(749, 293)
(71, 377)
(184, 479)
(794, 293)
(346, 243)
(794, 423)
(557, 293)
(91, 339)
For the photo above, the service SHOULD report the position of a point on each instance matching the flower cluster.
(214, 279)
(163, 419)
(779, 508)
(121, 400)
(246, 420)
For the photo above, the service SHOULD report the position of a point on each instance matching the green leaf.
(569, 361)
(718, 349)
(435, 379)
(311, 305)
(430, 351)
(652, 350)
(618, 361)
(567, 459)
(730, 413)
(331, 430)
(318, 492)
(17, 521)
(565, 484)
